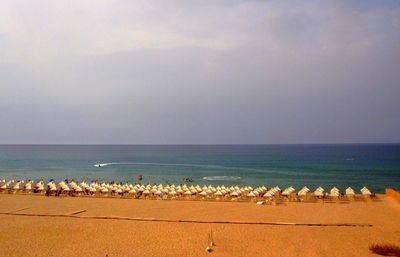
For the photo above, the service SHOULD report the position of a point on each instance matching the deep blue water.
(373, 165)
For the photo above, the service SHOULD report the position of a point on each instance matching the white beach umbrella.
(218, 193)
(172, 193)
(203, 193)
(251, 194)
(303, 191)
(234, 193)
(16, 186)
(350, 191)
(365, 191)
(319, 191)
(28, 186)
(268, 194)
(334, 192)
(288, 191)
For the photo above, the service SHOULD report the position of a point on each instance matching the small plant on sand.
(385, 249)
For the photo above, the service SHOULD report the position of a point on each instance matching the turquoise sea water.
(373, 165)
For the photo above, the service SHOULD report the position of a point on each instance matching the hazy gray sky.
(199, 71)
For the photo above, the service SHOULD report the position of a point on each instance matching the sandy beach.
(87, 229)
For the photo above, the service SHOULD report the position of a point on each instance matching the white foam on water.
(98, 165)
(222, 178)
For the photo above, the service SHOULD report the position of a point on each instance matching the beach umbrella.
(334, 192)
(319, 191)
(16, 186)
(365, 191)
(103, 190)
(37, 185)
(251, 194)
(288, 191)
(218, 193)
(203, 193)
(349, 191)
(28, 186)
(303, 191)
(268, 194)
(234, 194)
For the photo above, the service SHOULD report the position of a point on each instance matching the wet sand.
(74, 236)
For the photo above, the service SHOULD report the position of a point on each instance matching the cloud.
(199, 72)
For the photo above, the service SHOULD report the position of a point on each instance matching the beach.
(90, 226)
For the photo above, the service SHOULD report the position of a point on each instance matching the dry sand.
(68, 236)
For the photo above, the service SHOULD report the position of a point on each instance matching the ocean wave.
(222, 178)
(204, 166)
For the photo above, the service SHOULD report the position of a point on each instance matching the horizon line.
(170, 144)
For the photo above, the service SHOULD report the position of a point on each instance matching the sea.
(376, 166)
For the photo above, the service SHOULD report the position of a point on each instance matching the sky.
(199, 72)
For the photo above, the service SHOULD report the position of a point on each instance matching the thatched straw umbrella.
(303, 191)
(319, 192)
(334, 192)
(251, 194)
(234, 194)
(350, 191)
(269, 194)
(365, 191)
(203, 194)
(218, 194)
